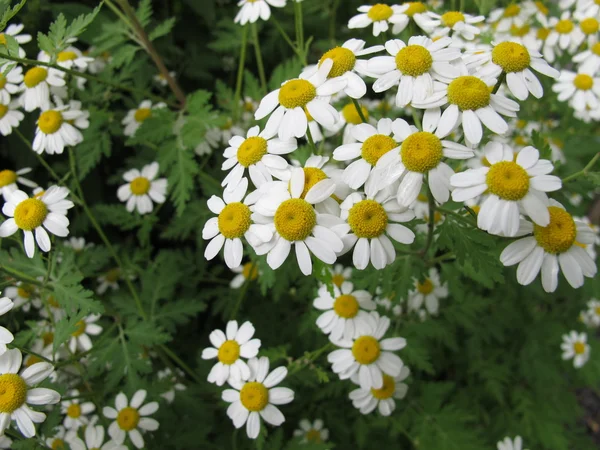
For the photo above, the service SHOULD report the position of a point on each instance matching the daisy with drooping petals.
(250, 400)
(260, 154)
(229, 348)
(131, 418)
(10, 83)
(10, 117)
(440, 25)
(366, 400)
(511, 184)
(142, 189)
(86, 327)
(76, 412)
(19, 393)
(312, 432)
(94, 440)
(9, 179)
(57, 128)
(251, 10)
(414, 67)
(381, 16)
(581, 89)
(36, 85)
(135, 117)
(428, 292)
(248, 271)
(6, 337)
(575, 347)
(369, 355)
(37, 214)
(509, 444)
(559, 244)
(288, 105)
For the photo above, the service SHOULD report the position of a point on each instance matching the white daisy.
(77, 244)
(251, 10)
(441, 25)
(590, 248)
(563, 34)
(94, 440)
(510, 185)
(248, 271)
(168, 375)
(429, 292)
(312, 432)
(503, 19)
(14, 31)
(10, 178)
(59, 438)
(76, 412)
(588, 7)
(588, 60)
(58, 127)
(593, 312)
(250, 400)
(6, 337)
(24, 296)
(387, 303)
(575, 347)
(69, 58)
(48, 212)
(10, 117)
(10, 83)
(36, 85)
(142, 189)
(161, 80)
(581, 89)
(80, 338)
(510, 444)
(381, 16)
(229, 348)
(340, 274)
(131, 418)
(109, 280)
(393, 388)
(135, 117)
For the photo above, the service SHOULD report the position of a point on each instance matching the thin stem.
(310, 139)
(584, 171)
(500, 81)
(285, 36)
(240, 299)
(359, 110)
(431, 223)
(416, 119)
(20, 275)
(240, 74)
(455, 214)
(259, 59)
(304, 361)
(32, 353)
(298, 20)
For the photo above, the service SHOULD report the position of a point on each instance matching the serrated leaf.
(181, 166)
(80, 23)
(65, 328)
(162, 29)
(200, 118)
(144, 12)
(594, 177)
(116, 215)
(7, 12)
(17, 262)
(96, 143)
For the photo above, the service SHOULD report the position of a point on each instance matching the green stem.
(441, 258)
(240, 299)
(298, 20)
(285, 36)
(29, 352)
(584, 171)
(181, 364)
(431, 223)
(359, 110)
(500, 81)
(311, 140)
(303, 362)
(240, 74)
(416, 119)
(20, 275)
(259, 59)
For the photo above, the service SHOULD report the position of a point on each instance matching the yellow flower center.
(31, 360)
(338, 279)
(13, 392)
(229, 352)
(468, 92)
(35, 76)
(248, 106)
(251, 151)
(343, 61)
(52, 302)
(415, 8)
(3, 81)
(296, 93)
(234, 220)
(58, 444)
(367, 219)
(50, 121)
(451, 18)
(66, 56)
(351, 115)
(142, 114)
(564, 26)
(80, 329)
(2, 39)
(139, 186)
(313, 435)
(113, 275)
(48, 338)
(346, 306)
(519, 31)
(426, 287)
(508, 180)
(421, 152)
(579, 348)
(312, 175)
(128, 418)
(414, 60)
(254, 396)
(7, 176)
(74, 410)
(3, 110)
(376, 146)
(25, 291)
(589, 25)
(512, 57)
(295, 219)
(583, 82)
(366, 350)
(387, 390)
(542, 8)
(30, 214)
(596, 48)
(512, 10)
(227, 125)
(559, 235)
(380, 11)
(250, 271)
(543, 33)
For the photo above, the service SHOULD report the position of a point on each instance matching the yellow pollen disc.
(543, 33)
(313, 435)
(234, 220)
(508, 180)
(589, 25)
(74, 410)
(380, 11)
(251, 151)
(58, 444)
(142, 114)
(25, 291)
(13, 392)
(583, 82)
(512, 10)
(346, 306)
(48, 338)
(564, 26)
(296, 93)
(312, 175)
(542, 8)
(52, 302)
(254, 396)
(519, 31)
(229, 352)
(30, 214)
(140, 186)
(343, 61)
(366, 350)
(128, 418)
(579, 348)
(80, 329)
(422, 198)
(426, 287)
(3, 81)
(2, 39)
(512, 57)
(451, 18)
(421, 152)
(387, 390)
(367, 219)
(520, 140)
(7, 176)
(414, 60)
(596, 48)
(521, 124)
(113, 275)
(375, 147)
(351, 115)
(250, 271)
(338, 279)
(3, 110)
(31, 360)
(66, 56)
(559, 235)
(248, 107)
(415, 8)
(50, 121)
(35, 76)
(295, 219)
(468, 92)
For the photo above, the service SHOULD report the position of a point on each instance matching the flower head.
(130, 418)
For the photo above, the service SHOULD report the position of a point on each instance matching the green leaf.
(200, 118)
(162, 29)
(594, 177)
(65, 328)
(155, 129)
(16, 262)
(7, 12)
(96, 143)
(144, 12)
(80, 23)
(181, 166)
(116, 215)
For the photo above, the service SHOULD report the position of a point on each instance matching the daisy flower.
(14, 30)
(593, 312)
(161, 80)
(503, 19)
(24, 296)
(69, 58)
(5, 442)
(59, 439)
(58, 127)
(588, 60)
(381, 16)
(312, 432)
(77, 244)
(248, 271)
(75, 412)
(556, 245)
(108, 280)
(510, 184)
(250, 400)
(86, 327)
(6, 337)
(142, 189)
(94, 440)
(581, 89)
(340, 274)
(233, 221)
(10, 178)
(510, 444)
(575, 347)
(36, 86)
(345, 315)
(414, 67)
(393, 388)
(429, 292)
(563, 33)
(37, 214)
(229, 348)
(167, 374)
(588, 7)
(10, 83)
(369, 356)
(251, 10)
(131, 418)
(10, 117)
(440, 25)
(260, 154)
(288, 105)
(135, 117)
(19, 393)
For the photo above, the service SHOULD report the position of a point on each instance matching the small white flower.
(575, 347)
(36, 86)
(142, 189)
(69, 58)
(393, 388)
(10, 117)
(588, 60)
(312, 432)
(94, 440)
(440, 25)
(509, 444)
(381, 16)
(109, 280)
(428, 293)
(593, 312)
(167, 374)
(252, 10)
(581, 89)
(248, 271)
(161, 80)
(6, 337)
(76, 412)
(58, 128)
(10, 83)
(80, 338)
(135, 117)
(24, 296)
(10, 178)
